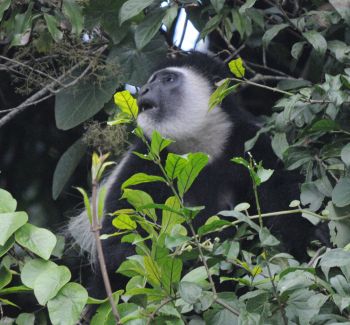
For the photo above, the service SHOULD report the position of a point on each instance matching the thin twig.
(96, 231)
(28, 104)
(317, 254)
(151, 317)
(267, 68)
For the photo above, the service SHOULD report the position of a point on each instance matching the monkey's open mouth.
(146, 104)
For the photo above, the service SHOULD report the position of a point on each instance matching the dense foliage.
(291, 55)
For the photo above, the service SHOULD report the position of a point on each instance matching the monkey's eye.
(169, 78)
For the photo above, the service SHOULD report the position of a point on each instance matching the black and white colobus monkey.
(174, 102)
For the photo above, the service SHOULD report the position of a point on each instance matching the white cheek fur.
(193, 128)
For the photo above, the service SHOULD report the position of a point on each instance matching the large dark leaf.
(136, 65)
(78, 103)
(66, 166)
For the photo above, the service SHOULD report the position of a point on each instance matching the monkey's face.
(174, 102)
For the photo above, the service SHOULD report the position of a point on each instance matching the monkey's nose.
(144, 90)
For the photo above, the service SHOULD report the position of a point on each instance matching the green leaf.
(221, 92)
(66, 166)
(222, 317)
(211, 25)
(74, 13)
(197, 275)
(132, 8)
(86, 203)
(141, 178)
(266, 239)
(66, 307)
(170, 16)
(148, 28)
(317, 41)
(25, 319)
(341, 192)
(264, 174)
(212, 224)
(335, 258)
(50, 282)
(52, 23)
(248, 4)
(38, 240)
(7, 202)
(237, 67)
(80, 102)
(158, 143)
(310, 194)
(324, 125)
(152, 271)
(4, 5)
(127, 103)
(135, 65)
(5, 277)
(138, 199)
(279, 144)
(196, 162)
(217, 4)
(297, 49)
(174, 165)
(170, 218)
(271, 33)
(9, 223)
(22, 27)
(342, 7)
(345, 154)
(296, 156)
(8, 245)
(123, 221)
(132, 267)
(33, 269)
(171, 269)
(190, 292)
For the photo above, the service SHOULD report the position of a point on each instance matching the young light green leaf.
(237, 67)
(264, 174)
(132, 8)
(7, 202)
(86, 203)
(126, 103)
(170, 218)
(158, 143)
(271, 33)
(248, 4)
(138, 199)
(152, 271)
(9, 223)
(212, 225)
(51, 281)
(317, 41)
(38, 240)
(141, 178)
(220, 93)
(52, 24)
(67, 305)
(123, 221)
(174, 165)
(196, 162)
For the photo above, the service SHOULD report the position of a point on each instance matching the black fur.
(216, 179)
